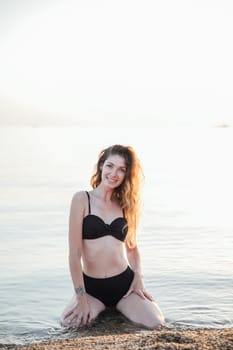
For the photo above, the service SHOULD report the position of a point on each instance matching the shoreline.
(167, 339)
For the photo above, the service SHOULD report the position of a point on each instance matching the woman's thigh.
(141, 311)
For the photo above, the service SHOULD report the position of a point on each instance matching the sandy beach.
(211, 339)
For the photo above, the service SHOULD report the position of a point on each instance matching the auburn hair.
(128, 193)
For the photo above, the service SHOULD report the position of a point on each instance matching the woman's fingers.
(91, 317)
(149, 296)
(77, 319)
(68, 314)
(142, 293)
(128, 293)
(72, 318)
(136, 291)
(85, 319)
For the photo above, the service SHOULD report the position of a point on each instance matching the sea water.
(185, 236)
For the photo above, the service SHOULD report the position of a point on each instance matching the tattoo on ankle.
(80, 290)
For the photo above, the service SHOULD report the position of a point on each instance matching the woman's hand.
(138, 288)
(80, 314)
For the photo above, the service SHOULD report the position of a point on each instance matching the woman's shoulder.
(79, 197)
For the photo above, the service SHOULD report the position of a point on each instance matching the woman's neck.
(103, 193)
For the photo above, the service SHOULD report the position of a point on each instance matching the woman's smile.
(114, 170)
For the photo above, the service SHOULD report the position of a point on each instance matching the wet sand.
(162, 339)
(112, 331)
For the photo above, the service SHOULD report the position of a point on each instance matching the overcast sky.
(149, 62)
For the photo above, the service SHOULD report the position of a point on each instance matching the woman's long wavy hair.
(128, 193)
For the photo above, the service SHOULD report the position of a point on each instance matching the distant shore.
(167, 339)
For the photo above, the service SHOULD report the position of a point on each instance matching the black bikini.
(94, 227)
(108, 290)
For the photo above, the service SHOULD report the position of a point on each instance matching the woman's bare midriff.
(103, 257)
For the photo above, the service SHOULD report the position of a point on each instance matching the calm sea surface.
(186, 234)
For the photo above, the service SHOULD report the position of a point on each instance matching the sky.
(116, 63)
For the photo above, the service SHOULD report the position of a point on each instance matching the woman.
(102, 229)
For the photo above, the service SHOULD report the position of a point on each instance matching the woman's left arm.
(137, 285)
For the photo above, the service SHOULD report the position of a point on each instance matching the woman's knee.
(154, 321)
(142, 312)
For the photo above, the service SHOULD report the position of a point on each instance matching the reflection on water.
(109, 321)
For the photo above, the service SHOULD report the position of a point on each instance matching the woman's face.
(113, 171)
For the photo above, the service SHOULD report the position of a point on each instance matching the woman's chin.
(111, 185)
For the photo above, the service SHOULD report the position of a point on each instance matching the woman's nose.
(114, 172)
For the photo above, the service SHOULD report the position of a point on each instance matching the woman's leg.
(96, 307)
(141, 311)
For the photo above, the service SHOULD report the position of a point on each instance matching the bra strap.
(89, 204)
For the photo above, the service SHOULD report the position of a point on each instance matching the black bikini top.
(94, 227)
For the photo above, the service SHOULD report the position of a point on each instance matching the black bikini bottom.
(109, 290)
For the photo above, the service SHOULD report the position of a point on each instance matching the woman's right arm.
(81, 312)
(75, 239)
